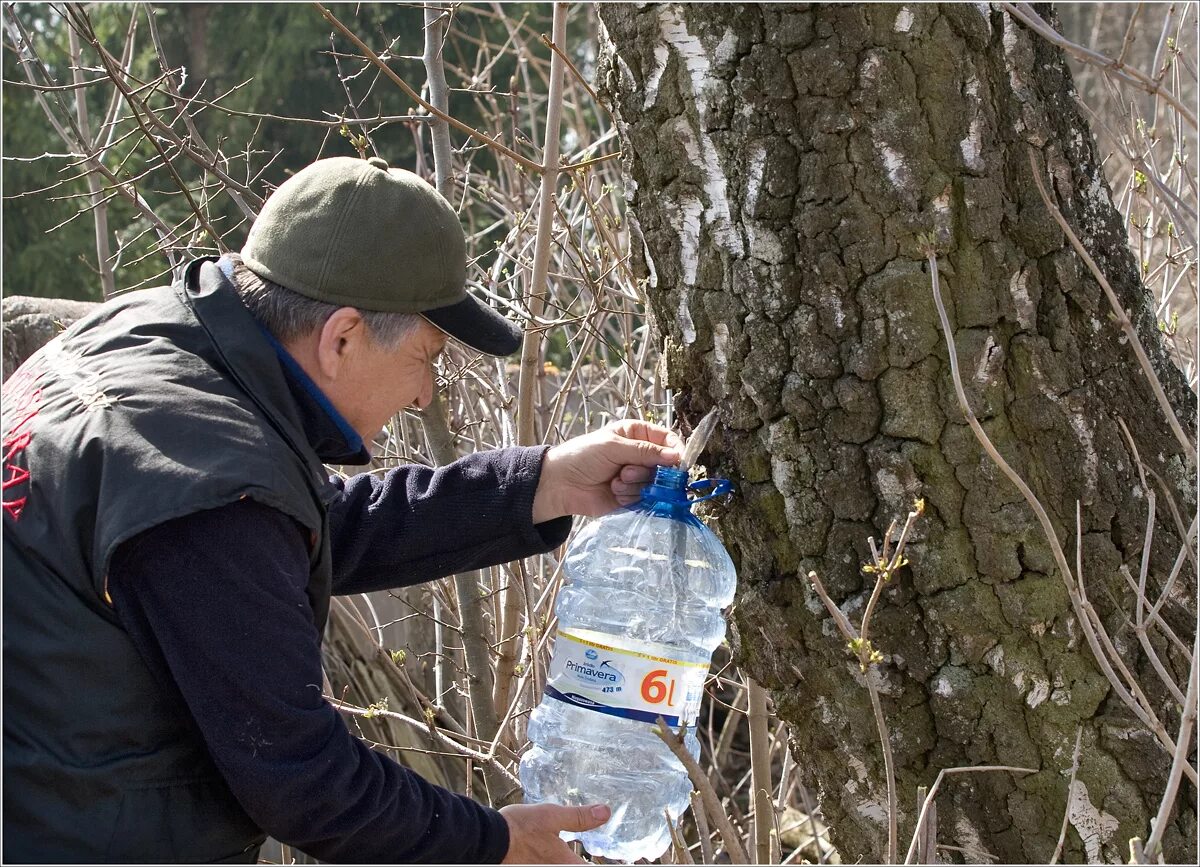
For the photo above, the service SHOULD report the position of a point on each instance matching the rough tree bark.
(783, 163)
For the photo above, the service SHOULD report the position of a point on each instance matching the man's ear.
(339, 340)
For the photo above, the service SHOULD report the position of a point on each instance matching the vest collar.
(249, 357)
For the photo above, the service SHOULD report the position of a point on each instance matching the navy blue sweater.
(215, 603)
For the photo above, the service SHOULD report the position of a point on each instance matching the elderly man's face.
(379, 382)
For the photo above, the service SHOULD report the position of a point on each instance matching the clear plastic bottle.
(638, 619)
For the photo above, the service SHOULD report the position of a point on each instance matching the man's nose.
(426, 396)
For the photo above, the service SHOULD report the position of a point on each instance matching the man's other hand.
(595, 473)
(533, 831)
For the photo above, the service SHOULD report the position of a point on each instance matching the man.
(171, 541)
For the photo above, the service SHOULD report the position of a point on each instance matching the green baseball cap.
(358, 233)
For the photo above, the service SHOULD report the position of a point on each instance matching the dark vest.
(162, 403)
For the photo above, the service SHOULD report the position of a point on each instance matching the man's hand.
(595, 473)
(533, 831)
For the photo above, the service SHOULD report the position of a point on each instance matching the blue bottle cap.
(671, 485)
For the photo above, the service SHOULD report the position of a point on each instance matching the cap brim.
(478, 326)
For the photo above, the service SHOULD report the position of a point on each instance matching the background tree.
(267, 93)
(790, 168)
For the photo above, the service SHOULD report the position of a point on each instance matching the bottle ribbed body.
(639, 616)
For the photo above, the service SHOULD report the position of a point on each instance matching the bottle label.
(620, 677)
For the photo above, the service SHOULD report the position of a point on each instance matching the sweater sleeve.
(416, 524)
(216, 604)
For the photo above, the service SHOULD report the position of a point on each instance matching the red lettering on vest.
(22, 400)
(19, 474)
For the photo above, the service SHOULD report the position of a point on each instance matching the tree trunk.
(198, 16)
(784, 163)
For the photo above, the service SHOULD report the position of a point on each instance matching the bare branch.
(527, 164)
(1025, 13)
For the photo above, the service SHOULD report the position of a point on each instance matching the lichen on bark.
(784, 163)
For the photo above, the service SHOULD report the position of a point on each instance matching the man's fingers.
(643, 453)
(636, 429)
(581, 818)
(635, 475)
(625, 492)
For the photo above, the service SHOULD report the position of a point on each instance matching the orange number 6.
(654, 689)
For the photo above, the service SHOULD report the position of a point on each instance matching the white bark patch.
(823, 710)
(754, 177)
(649, 263)
(943, 223)
(691, 51)
(721, 350)
(830, 297)
(904, 20)
(995, 659)
(1012, 41)
(893, 164)
(684, 318)
(942, 687)
(869, 66)
(1018, 287)
(726, 47)
(969, 839)
(1087, 439)
(873, 810)
(661, 52)
(696, 60)
(1094, 826)
(1039, 691)
(688, 228)
(972, 146)
(989, 360)
(1010, 36)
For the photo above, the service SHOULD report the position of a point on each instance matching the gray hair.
(289, 315)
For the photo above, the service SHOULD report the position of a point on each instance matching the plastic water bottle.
(638, 619)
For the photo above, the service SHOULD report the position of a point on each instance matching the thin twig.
(1189, 449)
(1179, 761)
(712, 804)
(1062, 833)
(1136, 77)
(701, 817)
(108, 284)
(885, 743)
(682, 855)
(760, 769)
(532, 372)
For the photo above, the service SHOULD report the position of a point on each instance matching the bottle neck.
(669, 485)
